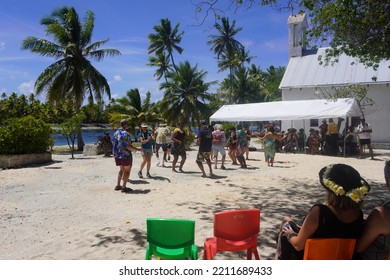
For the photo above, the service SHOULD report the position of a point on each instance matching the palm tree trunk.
(80, 142)
(231, 85)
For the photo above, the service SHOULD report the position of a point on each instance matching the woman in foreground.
(339, 217)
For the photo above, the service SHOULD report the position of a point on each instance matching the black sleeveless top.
(331, 227)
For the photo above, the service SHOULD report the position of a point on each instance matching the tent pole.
(345, 132)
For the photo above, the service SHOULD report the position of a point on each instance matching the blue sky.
(127, 24)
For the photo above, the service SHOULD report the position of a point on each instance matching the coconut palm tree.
(130, 107)
(162, 64)
(166, 40)
(72, 77)
(271, 80)
(184, 95)
(245, 87)
(226, 47)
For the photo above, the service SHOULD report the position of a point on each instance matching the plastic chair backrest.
(237, 225)
(165, 236)
(329, 249)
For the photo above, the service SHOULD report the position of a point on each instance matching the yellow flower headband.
(356, 194)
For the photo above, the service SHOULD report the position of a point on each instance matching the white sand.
(69, 209)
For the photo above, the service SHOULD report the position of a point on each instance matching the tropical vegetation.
(24, 135)
(73, 87)
(357, 28)
(72, 77)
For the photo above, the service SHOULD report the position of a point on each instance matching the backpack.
(217, 137)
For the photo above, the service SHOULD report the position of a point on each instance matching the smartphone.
(294, 226)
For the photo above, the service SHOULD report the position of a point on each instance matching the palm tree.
(184, 94)
(130, 107)
(72, 77)
(246, 88)
(225, 46)
(162, 62)
(272, 79)
(165, 39)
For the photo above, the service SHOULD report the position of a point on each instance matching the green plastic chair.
(171, 239)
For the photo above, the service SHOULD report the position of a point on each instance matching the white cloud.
(2, 46)
(247, 43)
(26, 88)
(117, 78)
(279, 44)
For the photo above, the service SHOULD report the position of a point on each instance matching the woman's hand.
(286, 229)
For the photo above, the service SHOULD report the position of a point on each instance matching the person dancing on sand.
(146, 138)
(205, 141)
(178, 148)
(161, 136)
(232, 145)
(241, 146)
(121, 150)
(269, 145)
(218, 147)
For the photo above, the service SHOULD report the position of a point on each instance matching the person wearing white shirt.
(364, 133)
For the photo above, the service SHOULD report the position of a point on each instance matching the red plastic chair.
(329, 249)
(234, 230)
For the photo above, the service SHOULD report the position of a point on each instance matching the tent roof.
(288, 110)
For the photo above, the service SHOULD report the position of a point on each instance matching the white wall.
(378, 115)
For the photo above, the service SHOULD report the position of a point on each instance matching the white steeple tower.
(297, 26)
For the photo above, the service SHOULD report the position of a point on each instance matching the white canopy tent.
(288, 110)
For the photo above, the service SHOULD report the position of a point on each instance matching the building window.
(313, 122)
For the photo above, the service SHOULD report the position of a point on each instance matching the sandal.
(118, 188)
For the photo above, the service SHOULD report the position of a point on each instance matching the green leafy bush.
(24, 135)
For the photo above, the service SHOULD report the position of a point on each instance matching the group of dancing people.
(211, 140)
(340, 216)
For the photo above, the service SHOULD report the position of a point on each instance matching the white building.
(305, 76)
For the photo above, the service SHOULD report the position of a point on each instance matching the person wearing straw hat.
(121, 150)
(161, 136)
(339, 217)
(145, 137)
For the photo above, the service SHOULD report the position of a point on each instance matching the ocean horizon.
(90, 136)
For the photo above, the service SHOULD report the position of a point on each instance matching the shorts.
(219, 149)
(240, 151)
(202, 156)
(124, 161)
(178, 150)
(365, 141)
(164, 147)
(147, 152)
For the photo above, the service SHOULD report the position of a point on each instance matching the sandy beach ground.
(68, 209)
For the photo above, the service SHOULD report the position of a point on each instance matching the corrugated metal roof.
(306, 71)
